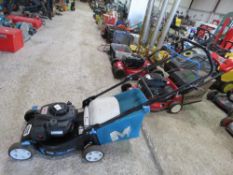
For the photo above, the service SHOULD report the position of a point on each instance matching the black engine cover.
(52, 120)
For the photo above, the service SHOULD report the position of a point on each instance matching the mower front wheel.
(126, 87)
(30, 114)
(93, 153)
(230, 96)
(118, 73)
(175, 108)
(20, 152)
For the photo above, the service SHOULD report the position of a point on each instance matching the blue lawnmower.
(60, 128)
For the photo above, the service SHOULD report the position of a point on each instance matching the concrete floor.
(62, 62)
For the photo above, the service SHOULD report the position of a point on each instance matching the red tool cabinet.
(11, 39)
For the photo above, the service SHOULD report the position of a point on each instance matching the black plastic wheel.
(20, 152)
(93, 153)
(175, 108)
(230, 96)
(126, 87)
(30, 115)
(118, 73)
(211, 95)
(226, 121)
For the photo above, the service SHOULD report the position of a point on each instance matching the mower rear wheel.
(226, 121)
(93, 153)
(175, 108)
(230, 96)
(20, 152)
(118, 73)
(211, 95)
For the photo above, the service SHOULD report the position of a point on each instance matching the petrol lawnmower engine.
(52, 120)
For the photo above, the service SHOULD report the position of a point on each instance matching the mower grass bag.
(130, 125)
(114, 34)
(121, 37)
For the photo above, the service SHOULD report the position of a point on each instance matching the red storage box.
(11, 39)
(36, 22)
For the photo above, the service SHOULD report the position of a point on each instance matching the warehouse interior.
(116, 87)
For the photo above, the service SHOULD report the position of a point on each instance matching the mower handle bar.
(154, 99)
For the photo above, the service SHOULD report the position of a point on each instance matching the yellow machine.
(226, 80)
(229, 55)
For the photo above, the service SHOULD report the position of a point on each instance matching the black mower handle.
(184, 87)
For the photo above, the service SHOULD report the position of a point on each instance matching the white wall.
(199, 15)
(137, 11)
(201, 10)
(184, 5)
(206, 5)
(225, 6)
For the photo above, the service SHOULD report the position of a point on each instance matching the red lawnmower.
(223, 67)
(129, 65)
(157, 83)
(124, 62)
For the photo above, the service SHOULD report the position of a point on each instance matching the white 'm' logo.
(115, 135)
